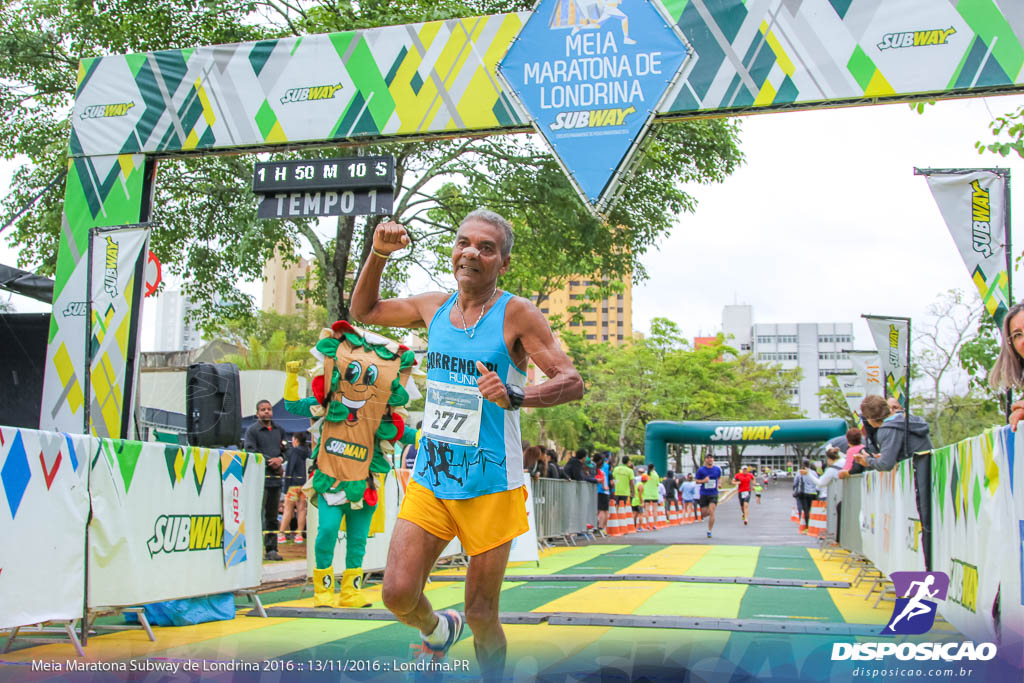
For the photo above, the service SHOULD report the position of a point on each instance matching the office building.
(609, 319)
(817, 348)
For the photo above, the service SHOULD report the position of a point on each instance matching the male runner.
(707, 477)
(743, 479)
(468, 476)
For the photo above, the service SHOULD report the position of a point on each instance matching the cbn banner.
(973, 204)
(114, 307)
(971, 504)
(44, 505)
(158, 530)
(892, 337)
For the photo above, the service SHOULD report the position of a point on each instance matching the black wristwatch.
(516, 396)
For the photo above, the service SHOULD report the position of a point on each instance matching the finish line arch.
(439, 80)
(660, 433)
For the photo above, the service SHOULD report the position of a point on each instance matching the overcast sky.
(824, 222)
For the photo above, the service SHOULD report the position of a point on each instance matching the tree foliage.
(208, 233)
(660, 377)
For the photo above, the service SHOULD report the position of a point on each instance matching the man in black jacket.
(671, 491)
(574, 467)
(266, 437)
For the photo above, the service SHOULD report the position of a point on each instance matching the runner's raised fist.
(390, 237)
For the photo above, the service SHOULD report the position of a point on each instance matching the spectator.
(892, 432)
(833, 472)
(532, 461)
(855, 438)
(805, 493)
(543, 465)
(651, 480)
(622, 476)
(294, 499)
(266, 436)
(574, 468)
(409, 453)
(1008, 371)
(689, 490)
(671, 491)
(559, 473)
(603, 491)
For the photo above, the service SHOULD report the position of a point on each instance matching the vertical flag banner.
(118, 260)
(892, 337)
(868, 367)
(232, 471)
(973, 204)
(852, 387)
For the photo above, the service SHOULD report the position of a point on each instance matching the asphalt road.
(768, 524)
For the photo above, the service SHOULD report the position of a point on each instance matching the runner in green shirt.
(650, 496)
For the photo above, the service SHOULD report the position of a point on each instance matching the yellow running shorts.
(481, 523)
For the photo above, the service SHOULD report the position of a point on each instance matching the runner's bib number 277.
(452, 413)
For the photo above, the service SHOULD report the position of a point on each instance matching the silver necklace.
(471, 331)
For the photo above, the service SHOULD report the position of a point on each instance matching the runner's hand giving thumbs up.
(491, 387)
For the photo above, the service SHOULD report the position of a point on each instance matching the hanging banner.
(118, 258)
(868, 367)
(976, 540)
(973, 204)
(44, 504)
(232, 472)
(892, 337)
(852, 387)
(158, 529)
(592, 76)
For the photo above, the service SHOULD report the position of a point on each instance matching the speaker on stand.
(213, 405)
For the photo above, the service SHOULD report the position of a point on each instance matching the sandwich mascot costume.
(363, 379)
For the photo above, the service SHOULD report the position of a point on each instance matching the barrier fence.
(965, 518)
(166, 522)
(564, 507)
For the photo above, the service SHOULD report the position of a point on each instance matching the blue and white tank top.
(470, 446)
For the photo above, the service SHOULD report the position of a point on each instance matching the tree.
(269, 355)
(209, 231)
(977, 356)
(938, 342)
(833, 402)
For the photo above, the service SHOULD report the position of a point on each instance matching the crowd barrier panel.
(975, 514)
(167, 522)
(850, 517)
(978, 532)
(44, 478)
(391, 493)
(564, 507)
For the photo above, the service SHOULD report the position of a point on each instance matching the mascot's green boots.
(323, 587)
(350, 595)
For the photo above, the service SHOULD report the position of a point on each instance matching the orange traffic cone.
(661, 522)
